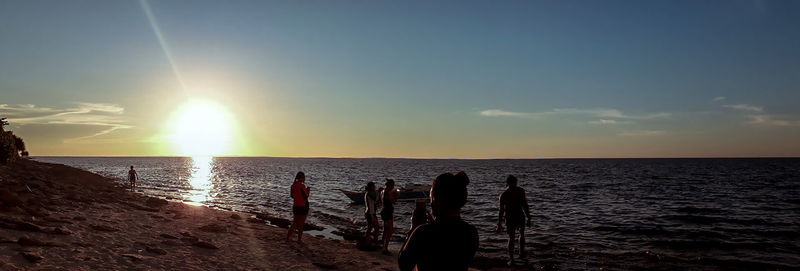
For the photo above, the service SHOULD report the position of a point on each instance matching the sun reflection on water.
(200, 181)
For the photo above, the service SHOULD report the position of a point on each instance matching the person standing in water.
(370, 200)
(448, 243)
(514, 209)
(132, 178)
(299, 193)
(388, 197)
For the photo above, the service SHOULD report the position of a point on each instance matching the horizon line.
(414, 158)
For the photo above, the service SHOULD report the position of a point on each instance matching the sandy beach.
(58, 217)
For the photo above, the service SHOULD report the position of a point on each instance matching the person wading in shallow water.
(299, 193)
(132, 178)
(448, 243)
(388, 197)
(514, 209)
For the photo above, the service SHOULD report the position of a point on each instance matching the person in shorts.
(132, 178)
(514, 210)
(388, 197)
(299, 193)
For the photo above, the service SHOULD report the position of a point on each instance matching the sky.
(418, 79)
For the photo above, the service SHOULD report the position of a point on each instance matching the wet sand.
(58, 217)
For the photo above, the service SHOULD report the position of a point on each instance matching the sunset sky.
(422, 79)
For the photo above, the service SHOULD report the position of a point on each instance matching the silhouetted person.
(370, 200)
(514, 209)
(420, 216)
(388, 197)
(132, 178)
(448, 243)
(299, 193)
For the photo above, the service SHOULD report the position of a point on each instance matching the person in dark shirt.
(388, 197)
(448, 243)
(370, 200)
(514, 209)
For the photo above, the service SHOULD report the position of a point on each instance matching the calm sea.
(588, 213)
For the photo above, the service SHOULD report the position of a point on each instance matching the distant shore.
(54, 216)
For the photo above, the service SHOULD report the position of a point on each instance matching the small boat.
(356, 197)
(407, 194)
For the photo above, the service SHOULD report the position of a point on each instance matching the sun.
(201, 128)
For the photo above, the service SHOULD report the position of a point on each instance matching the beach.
(54, 216)
(57, 217)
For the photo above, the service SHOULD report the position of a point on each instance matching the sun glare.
(201, 128)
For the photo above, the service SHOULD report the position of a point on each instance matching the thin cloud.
(609, 113)
(99, 107)
(768, 120)
(605, 122)
(109, 116)
(757, 116)
(503, 113)
(24, 111)
(603, 113)
(718, 99)
(643, 133)
(744, 107)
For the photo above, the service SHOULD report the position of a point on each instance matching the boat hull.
(358, 197)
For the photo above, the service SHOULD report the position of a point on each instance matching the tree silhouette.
(10, 144)
(19, 143)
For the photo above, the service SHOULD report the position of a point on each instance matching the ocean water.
(697, 214)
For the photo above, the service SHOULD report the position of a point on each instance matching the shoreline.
(57, 217)
(435, 158)
(54, 216)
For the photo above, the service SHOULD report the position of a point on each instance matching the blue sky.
(469, 79)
